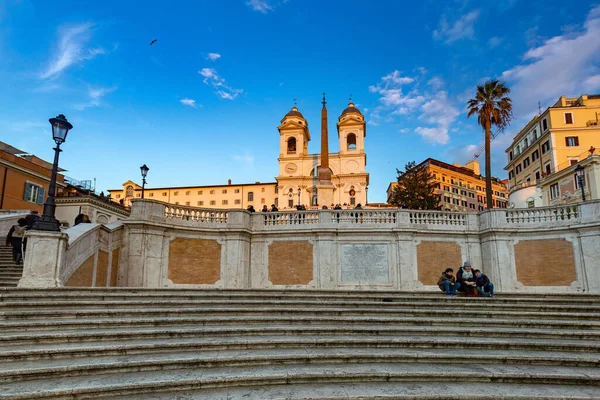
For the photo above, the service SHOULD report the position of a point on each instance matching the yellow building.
(303, 178)
(461, 188)
(551, 142)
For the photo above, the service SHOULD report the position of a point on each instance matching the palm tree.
(493, 107)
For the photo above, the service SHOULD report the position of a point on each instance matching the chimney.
(229, 182)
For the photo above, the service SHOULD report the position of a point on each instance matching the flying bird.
(153, 41)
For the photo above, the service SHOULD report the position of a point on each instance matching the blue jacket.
(482, 280)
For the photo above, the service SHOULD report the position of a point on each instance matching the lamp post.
(580, 171)
(299, 192)
(144, 169)
(48, 221)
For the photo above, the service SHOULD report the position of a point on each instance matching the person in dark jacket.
(251, 209)
(264, 209)
(78, 220)
(484, 286)
(31, 218)
(15, 238)
(466, 278)
(447, 282)
(273, 208)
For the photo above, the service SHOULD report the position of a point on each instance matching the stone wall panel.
(291, 262)
(114, 268)
(547, 262)
(102, 269)
(433, 257)
(194, 261)
(83, 276)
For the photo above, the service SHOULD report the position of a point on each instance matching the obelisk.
(325, 186)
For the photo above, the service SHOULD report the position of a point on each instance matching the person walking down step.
(484, 286)
(15, 237)
(447, 282)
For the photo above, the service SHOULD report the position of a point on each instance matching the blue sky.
(203, 103)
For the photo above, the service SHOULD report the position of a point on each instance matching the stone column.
(44, 258)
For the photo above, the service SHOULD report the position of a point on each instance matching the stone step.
(13, 338)
(358, 295)
(381, 391)
(256, 343)
(44, 324)
(208, 378)
(277, 311)
(31, 370)
(485, 304)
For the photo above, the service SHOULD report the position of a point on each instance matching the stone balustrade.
(539, 250)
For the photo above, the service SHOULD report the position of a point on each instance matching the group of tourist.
(466, 281)
(16, 236)
(82, 219)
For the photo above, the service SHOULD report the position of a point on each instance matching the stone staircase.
(128, 343)
(10, 272)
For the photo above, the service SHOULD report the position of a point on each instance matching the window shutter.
(40, 195)
(27, 194)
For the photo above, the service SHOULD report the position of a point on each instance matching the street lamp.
(144, 169)
(48, 221)
(580, 171)
(299, 191)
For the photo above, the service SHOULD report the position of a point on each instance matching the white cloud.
(433, 107)
(211, 77)
(259, 5)
(563, 65)
(244, 159)
(495, 41)
(95, 95)
(438, 111)
(462, 28)
(189, 103)
(71, 49)
(213, 56)
(436, 83)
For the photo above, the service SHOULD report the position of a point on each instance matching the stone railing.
(437, 218)
(86, 255)
(290, 218)
(560, 214)
(187, 213)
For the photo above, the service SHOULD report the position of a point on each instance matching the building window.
(151, 194)
(351, 140)
(545, 146)
(447, 188)
(199, 191)
(262, 201)
(212, 202)
(548, 168)
(518, 169)
(472, 206)
(224, 191)
(463, 203)
(290, 203)
(212, 192)
(535, 155)
(175, 193)
(187, 203)
(528, 179)
(545, 125)
(526, 162)
(236, 191)
(138, 195)
(480, 199)
(576, 182)
(537, 175)
(224, 202)
(510, 175)
(510, 155)
(480, 208)
(176, 203)
(250, 196)
(455, 190)
(262, 190)
(276, 189)
(238, 201)
(569, 118)
(164, 194)
(447, 199)
(572, 141)
(200, 203)
(530, 202)
(554, 191)
(129, 191)
(118, 196)
(188, 193)
(34, 193)
(291, 145)
(573, 161)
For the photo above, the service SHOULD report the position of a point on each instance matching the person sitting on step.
(447, 282)
(484, 286)
(466, 278)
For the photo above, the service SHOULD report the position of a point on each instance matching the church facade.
(312, 180)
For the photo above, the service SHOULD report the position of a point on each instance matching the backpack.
(19, 231)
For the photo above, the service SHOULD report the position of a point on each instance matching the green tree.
(493, 108)
(415, 189)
